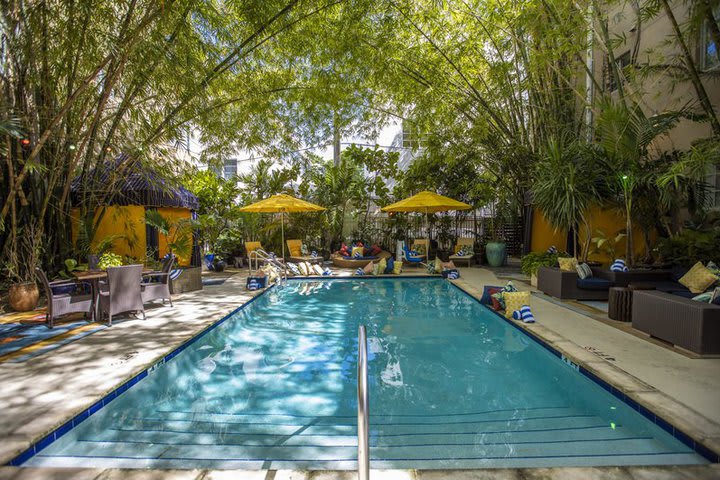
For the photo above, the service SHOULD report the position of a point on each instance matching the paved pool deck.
(41, 393)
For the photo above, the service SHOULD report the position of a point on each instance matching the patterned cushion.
(703, 297)
(369, 268)
(514, 301)
(618, 266)
(357, 252)
(487, 291)
(380, 267)
(567, 264)
(438, 266)
(698, 279)
(500, 296)
(584, 271)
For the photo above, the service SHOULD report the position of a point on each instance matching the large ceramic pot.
(495, 253)
(23, 297)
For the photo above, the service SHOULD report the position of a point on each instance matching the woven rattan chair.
(79, 299)
(156, 285)
(121, 292)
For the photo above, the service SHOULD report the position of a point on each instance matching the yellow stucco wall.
(606, 219)
(129, 222)
(544, 235)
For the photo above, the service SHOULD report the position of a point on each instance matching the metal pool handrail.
(260, 254)
(363, 407)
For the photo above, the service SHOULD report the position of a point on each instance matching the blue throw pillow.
(618, 266)
(486, 299)
(390, 265)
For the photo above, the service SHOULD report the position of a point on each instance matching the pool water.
(451, 386)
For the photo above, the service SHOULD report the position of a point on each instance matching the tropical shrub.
(109, 260)
(690, 246)
(531, 263)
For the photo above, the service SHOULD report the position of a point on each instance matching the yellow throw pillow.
(359, 250)
(515, 300)
(381, 266)
(568, 264)
(438, 265)
(698, 278)
(397, 267)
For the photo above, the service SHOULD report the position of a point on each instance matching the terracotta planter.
(23, 297)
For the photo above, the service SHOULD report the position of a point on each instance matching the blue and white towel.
(359, 271)
(618, 266)
(552, 250)
(313, 254)
(327, 271)
(253, 284)
(454, 275)
(524, 314)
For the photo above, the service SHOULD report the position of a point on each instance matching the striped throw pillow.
(524, 314)
(618, 266)
(584, 271)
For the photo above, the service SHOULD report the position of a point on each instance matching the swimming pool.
(452, 385)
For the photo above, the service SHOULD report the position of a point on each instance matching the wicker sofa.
(568, 286)
(686, 323)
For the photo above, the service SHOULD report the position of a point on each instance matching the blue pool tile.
(23, 457)
(631, 403)
(47, 440)
(707, 453)
(65, 428)
(79, 418)
(685, 438)
(95, 407)
(665, 425)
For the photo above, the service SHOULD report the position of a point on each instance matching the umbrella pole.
(282, 230)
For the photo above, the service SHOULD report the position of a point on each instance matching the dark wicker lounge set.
(652, 300)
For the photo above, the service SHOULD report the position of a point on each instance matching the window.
(623, 61)
(709, 56)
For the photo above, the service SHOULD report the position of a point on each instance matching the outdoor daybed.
(348, 262)
(684, 322)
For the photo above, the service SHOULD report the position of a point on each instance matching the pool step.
(173, 438)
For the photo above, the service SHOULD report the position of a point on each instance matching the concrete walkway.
(41, 393)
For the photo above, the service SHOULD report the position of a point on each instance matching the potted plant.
(24, 294)
(495, 248)
(531, 263)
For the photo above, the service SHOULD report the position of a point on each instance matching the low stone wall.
(188, 281)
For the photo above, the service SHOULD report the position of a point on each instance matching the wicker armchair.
(156, 285)
(74, 301)
(121, 293)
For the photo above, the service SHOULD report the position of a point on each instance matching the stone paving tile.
(576, 473)
(14, 473)
(128, 474)
(617, 377)
(490, 474)
(239, 475)
(682, 417)
(675, 473)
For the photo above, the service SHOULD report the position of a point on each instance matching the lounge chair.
(424, 243)
(156, 285)
(467, 243)
(74, 301)
(295, 251)
(409, 258)
(121, 292)
(349, 262)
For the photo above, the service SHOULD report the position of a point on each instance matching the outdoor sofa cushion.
(593, 283)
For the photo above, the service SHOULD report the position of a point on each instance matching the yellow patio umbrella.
(282, 203)
(426, 202)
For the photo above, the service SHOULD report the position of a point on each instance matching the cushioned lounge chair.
(295, 251)
(78, 297)
(121, 292)
(156, 285)
(251, 247)
(567, 285)
(412, 259)
(342, 262)
(468, 243)
(421, 242)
